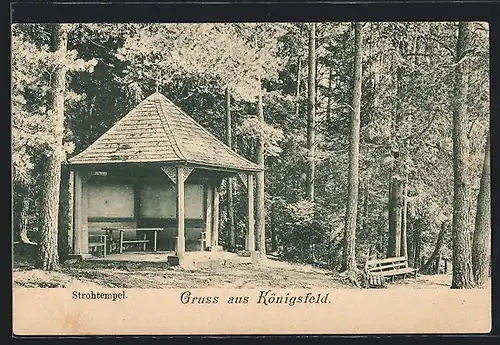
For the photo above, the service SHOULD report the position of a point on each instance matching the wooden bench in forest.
(377, 270)
(198, 238)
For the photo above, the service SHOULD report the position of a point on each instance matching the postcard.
(238, 178)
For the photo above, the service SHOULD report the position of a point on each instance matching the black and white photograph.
(291, 159)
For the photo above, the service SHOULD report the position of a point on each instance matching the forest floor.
(269, 273)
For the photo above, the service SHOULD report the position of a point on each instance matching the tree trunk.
(349, 259)
(23, 233)
(404, 221)
(260, 210)
(48, 258)
(381, 242)
(410, 235)
(63, 244)
(418, 247)
(311, 113)
(462, 265)
(482, 233)
(405, 158)
(395, 213)
(376, 83)
(274, 241)
(426, 268)
(396, 185)
(66, 215)
(229, 181)
(297, 90)
(364, 218)
(329, 96)
(415, 242)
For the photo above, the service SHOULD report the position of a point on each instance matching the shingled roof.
(157, 131)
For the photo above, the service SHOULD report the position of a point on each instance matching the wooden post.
(121, 241)
(70, 226)
(215, 223)
(85, 223)
(77, 213)
(80, 222)
(181, 242)
(250, 240)
(208, 214)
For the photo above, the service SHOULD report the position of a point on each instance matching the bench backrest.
(96, 239)
(190, 233)
(193, 234)
(380, 265)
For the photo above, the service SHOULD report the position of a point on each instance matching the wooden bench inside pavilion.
(151, 184)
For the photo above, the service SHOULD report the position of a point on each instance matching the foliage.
(253, 128)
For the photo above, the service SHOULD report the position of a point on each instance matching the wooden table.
(122, 230)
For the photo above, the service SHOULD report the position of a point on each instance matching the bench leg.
(144, 244)
(104, 248)
(121, 242)
(155, 240)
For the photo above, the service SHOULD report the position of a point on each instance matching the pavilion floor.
(195, 259)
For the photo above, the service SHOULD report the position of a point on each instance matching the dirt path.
(423, 282)
(39, 278)
(269, 273)
(435, 281)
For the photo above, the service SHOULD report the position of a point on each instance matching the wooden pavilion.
(154, 177)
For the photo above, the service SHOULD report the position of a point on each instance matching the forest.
(374, 136)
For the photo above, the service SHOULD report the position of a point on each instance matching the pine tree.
(48, 258)
(482, 232)
(349, 258)
(311, 112)
(462, 266)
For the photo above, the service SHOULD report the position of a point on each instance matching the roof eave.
(231, 169)
(194, 164)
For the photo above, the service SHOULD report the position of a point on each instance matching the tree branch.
(439, 148)
(451, 51)
(472, 126)
(95, 43)
(24, 129)
(429, 124)
(462, 59)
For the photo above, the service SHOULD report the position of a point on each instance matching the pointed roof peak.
(158, 131)
(155, 94)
